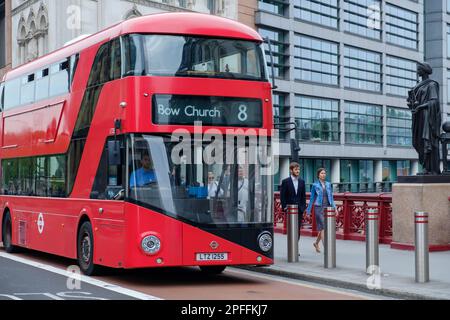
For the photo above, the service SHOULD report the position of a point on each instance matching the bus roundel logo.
(40, 223)
(214, 245)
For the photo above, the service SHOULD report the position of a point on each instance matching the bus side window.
(73, 66)
(2, 86)
(12, 94)
(110, 178)
(27, 90)
(59, 78)
(116, 63)
(42, 84)
(101, 67)
(133, 56)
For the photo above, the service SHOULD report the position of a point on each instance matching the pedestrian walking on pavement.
(321, 197)
(292, 191)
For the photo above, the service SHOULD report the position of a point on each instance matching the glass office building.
(343, 70)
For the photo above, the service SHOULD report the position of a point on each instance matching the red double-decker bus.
(106, 147)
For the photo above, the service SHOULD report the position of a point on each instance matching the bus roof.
(188, 23)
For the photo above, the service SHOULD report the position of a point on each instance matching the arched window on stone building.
(42, 32)
(21, 39)
(32, 34)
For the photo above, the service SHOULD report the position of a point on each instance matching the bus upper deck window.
(1, 96)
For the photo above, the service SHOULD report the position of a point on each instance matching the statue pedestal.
(430, 197)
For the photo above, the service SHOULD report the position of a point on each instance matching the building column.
(384, 128)
(284, 168)
(40, 44)
(290, 10)
(335, 175)
(8, 33)
(342, 121)
(378, 171)
(414, 167)
(22, 51)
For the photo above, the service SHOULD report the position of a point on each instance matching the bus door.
(107, 205)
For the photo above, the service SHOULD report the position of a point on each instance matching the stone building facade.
(42, 26)
(5, 36)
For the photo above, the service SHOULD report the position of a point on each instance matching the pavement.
(396, 273)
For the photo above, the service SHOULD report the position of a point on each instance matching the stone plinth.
(429, 197)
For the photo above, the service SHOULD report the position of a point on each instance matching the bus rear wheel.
(7, 234)
(212, 269)
(85, 249)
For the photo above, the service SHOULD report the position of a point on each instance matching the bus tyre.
(85, 249)
(212, 269)
(7, 234)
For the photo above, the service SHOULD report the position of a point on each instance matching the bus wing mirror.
(114, 158)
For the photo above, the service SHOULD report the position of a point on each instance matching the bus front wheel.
(212, 269)
(7, 234)
(85, 249)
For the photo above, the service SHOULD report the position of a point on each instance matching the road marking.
(86, 279)
(296, 282)
(10, 296)
(52, 296)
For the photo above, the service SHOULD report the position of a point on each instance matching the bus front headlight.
(265, 241)
(151, 244)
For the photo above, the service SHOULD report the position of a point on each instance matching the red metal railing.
(350, 212)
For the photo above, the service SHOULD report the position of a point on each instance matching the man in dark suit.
(293, 192)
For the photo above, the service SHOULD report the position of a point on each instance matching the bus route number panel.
(210, 111)
(203, 256)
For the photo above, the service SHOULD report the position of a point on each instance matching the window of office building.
(448, 40)
(316, 60)
(363, 17)
(363, 123)
(357, 176)
(308, 170)
(392, 169)
(281, 113)
(273, 6)
(401, 75)
(279, 49)
(448, 85)
(448, 6)
(324, 12)
(401, 27)
(317, 119)
(399, 127)
(362, 69)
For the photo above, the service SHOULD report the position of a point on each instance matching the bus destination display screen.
(211, 111)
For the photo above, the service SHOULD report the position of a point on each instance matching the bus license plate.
(212, 256)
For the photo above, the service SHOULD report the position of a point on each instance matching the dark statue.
(423, 100)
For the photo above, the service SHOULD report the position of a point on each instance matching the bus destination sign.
(211, 111)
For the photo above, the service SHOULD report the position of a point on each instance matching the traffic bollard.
(421, 247)
(372, 252)
(330, 238)
(292, 216)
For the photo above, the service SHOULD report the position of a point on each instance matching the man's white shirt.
(295, 182)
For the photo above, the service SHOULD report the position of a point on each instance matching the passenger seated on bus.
(213, 186)
(144, 175)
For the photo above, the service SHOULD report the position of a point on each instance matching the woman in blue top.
(322, 197)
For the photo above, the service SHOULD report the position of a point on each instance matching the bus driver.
(144, 175)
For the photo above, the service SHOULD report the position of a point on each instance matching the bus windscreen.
(182, 185)
(189, 56)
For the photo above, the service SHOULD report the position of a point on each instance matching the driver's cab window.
(143, 170)
(110, 179)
